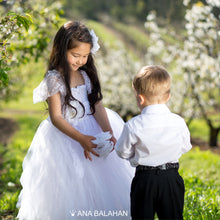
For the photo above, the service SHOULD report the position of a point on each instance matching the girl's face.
(78, 56)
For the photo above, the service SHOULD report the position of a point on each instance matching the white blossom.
(215, 3)
(197, 63)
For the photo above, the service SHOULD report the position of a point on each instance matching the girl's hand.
(113, 139)
(86, 143)
(87, 155)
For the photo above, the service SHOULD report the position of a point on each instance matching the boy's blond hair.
(153, 82)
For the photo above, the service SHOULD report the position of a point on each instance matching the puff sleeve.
(51, 84)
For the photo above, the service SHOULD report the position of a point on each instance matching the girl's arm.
(54, 103)
(102, 119)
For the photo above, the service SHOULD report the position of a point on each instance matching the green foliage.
(21, 20)
(26, 33)
(203, 164)
(14, 22)
(8, 204)
(11, 168)
(3, 73)
(199, 129)
(202, 182)
(201, 200)
(125, 10)
(14, 154)
(35, 72)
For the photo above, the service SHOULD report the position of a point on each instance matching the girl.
(58, 182)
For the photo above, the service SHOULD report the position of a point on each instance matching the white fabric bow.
(104, 145)
(96, 46)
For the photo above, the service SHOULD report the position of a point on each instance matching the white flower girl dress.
(58, 182)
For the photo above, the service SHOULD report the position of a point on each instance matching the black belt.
(166, 166)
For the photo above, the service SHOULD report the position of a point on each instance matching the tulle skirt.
(59, 183)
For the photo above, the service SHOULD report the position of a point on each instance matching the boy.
(153, 142)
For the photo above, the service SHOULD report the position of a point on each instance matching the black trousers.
(157, 191)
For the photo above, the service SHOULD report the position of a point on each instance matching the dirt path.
(7, 128)
(205, 146)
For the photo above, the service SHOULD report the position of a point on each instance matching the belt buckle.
(163, 167)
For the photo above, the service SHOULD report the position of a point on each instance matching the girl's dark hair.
(67, 38)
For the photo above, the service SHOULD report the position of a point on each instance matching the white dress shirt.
(155, 137)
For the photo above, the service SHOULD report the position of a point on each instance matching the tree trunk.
(213, 136)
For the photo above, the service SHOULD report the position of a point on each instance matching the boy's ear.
(142, 99)
(168, 97)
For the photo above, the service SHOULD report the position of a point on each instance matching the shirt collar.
(155, 109)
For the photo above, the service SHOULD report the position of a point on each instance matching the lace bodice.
(53, 83)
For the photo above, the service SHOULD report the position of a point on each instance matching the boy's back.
(153, 142)
(157, 136)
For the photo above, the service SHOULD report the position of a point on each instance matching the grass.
(133, 35)
(104, 34)
(28, 116)
(25, 101)
(203, 164)
(13, 155)
(139, 38)
(200, 130)
(202, 181)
